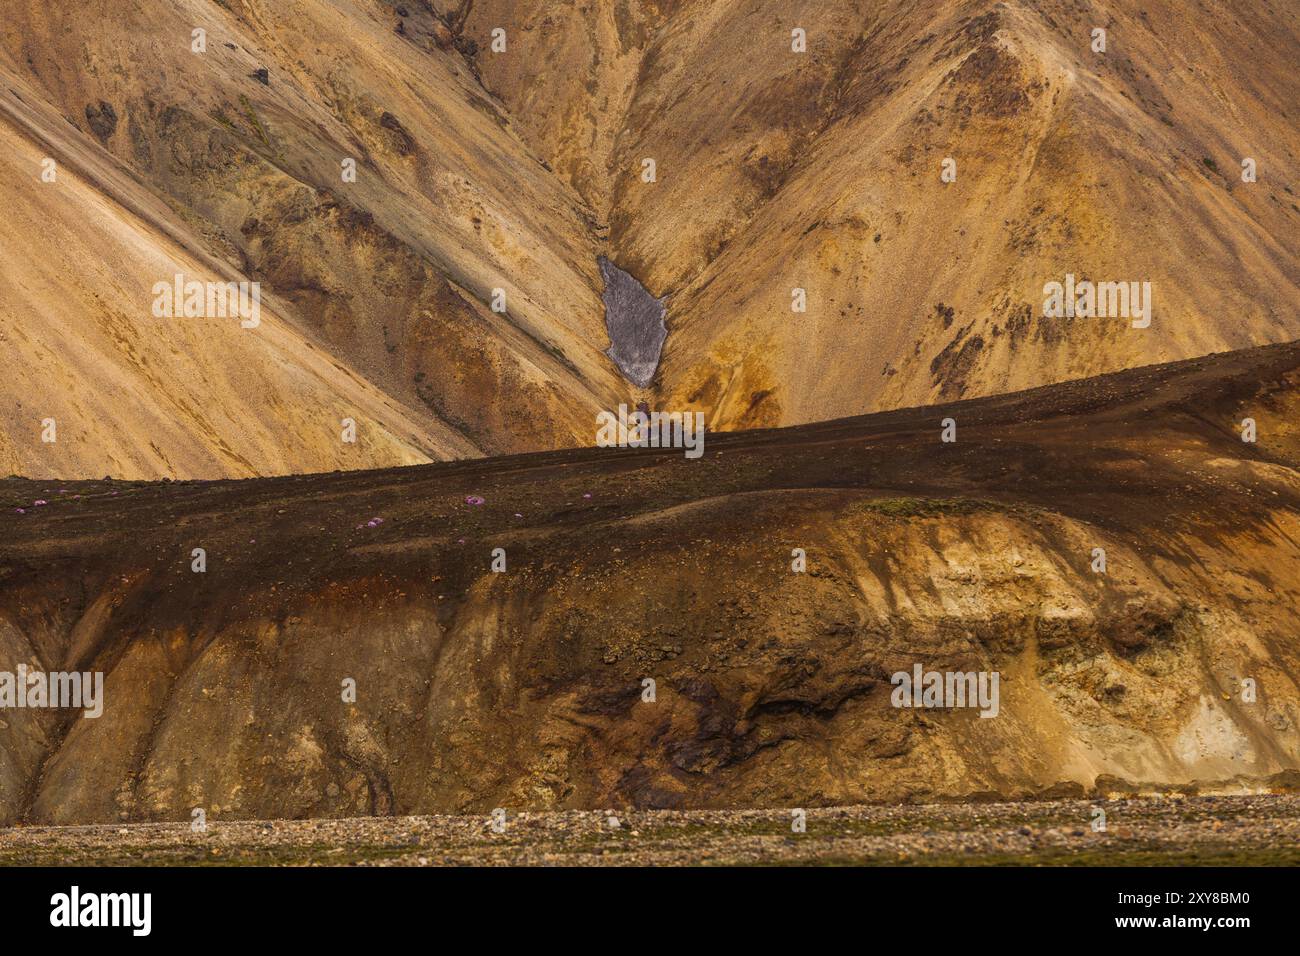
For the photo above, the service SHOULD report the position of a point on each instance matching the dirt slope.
(821, 171)
(138, 396)
(390, 278)
(223, 688)
(481, 169)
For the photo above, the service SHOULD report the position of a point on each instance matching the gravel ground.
(1232, 830)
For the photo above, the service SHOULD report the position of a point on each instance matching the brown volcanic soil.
(522, 689)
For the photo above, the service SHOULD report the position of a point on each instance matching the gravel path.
(1236, 830)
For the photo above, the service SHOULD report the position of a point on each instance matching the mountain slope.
(226, 689)
(133, 395)
(499, 177)
(392, 275)
(821, 171)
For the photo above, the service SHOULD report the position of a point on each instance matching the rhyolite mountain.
(523, 688)
(501, 177)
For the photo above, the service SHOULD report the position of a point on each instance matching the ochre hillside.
(523, 685)
(490, 176)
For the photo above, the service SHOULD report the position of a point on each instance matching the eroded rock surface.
(478, 172)
(523, 689)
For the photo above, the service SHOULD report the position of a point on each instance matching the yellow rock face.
(423, 196)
